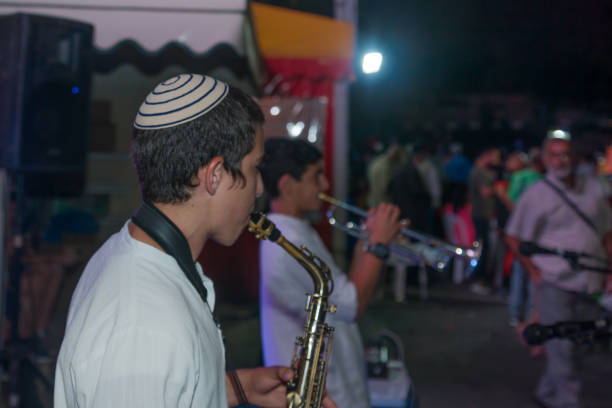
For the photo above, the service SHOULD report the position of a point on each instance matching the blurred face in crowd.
(493, 158)
(515, 162)
(558, 158)
(307, 189)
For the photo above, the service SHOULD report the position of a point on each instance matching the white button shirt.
(284, 284)
(543, 217)
(139, 335)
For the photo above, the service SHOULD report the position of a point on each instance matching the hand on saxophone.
(383, 223)
(266, 387)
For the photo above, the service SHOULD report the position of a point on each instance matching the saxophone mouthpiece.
(263, 227)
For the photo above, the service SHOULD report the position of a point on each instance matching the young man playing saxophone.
(139, 333)
(293, 176)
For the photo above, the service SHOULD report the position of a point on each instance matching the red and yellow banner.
(285, 33)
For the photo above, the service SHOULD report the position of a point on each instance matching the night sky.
(557, 53)
(556, 50)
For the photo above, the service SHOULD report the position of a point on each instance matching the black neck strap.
(573, 206)
(171, 239)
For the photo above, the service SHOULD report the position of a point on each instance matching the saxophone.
(311, 352)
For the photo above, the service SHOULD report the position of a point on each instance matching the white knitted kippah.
(179, 100)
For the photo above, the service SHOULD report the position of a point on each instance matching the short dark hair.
(285, 156)
(167, 160)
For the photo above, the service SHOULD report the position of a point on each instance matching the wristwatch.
(379, 250)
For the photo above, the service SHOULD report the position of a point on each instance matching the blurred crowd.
(549, 198)
(462, 199)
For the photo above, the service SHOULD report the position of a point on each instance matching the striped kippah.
(179, 100)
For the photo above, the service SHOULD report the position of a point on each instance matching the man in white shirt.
(543, 216)
(379, 173)
(138, 333)
(292, 172)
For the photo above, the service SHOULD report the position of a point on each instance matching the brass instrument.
(311, 352)
(429, 250)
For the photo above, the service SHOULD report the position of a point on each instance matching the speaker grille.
(45, 83)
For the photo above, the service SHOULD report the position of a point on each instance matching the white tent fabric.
(197, 24)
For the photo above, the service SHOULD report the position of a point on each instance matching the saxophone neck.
(316, 268)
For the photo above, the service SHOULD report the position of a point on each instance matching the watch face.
(380, 250)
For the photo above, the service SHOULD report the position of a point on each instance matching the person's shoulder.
(376, 163)
(134, 274)
(521, 173)
(539, 185)
(463, 160)
(534, 192)
(516, 176)
(593, 184)
(289, 226)
(127, 292)
(136, 290)
(594, 188)
(532, 175)
(117, 258)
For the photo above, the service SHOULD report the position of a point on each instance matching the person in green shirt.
(523, 179)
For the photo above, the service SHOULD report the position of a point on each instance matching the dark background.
(439, 54)
(557, 50)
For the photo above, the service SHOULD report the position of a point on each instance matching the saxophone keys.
(308, 301)
(294, 400)
(306, 251)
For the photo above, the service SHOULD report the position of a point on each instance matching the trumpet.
(411, 245)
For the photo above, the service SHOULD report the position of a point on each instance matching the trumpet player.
(293, 176)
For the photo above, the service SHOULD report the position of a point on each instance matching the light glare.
(295, 129)
(312, 133)
(371, 62)
(559, 134)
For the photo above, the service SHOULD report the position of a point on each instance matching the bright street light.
(371, 62)
(559, 134)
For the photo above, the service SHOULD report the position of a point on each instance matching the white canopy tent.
(139, 43)
(199, 25)
(130, 33)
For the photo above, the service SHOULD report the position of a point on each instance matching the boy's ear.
(285, 184)
(210, 175)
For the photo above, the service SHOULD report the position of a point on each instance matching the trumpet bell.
(412, 245)
(435, 257)
(417, 252)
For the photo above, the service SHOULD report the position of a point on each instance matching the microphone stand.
(579, 332)
(530, 249)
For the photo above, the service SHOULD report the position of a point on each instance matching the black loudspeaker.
(45, 80)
